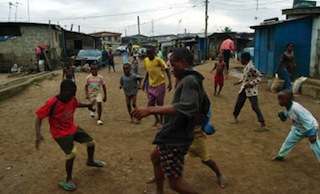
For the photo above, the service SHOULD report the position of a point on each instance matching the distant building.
(108, 38)
(137, 39)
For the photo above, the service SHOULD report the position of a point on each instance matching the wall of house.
(315, 48)
(271, 41)
(22, 48)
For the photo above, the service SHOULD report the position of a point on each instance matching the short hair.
(126, 65)
(290, 43)
(246, 56)
(68, 84)
(288, 93)
(179, 54)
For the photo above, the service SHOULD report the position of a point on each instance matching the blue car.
(89, 56)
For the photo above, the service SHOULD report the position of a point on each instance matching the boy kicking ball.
(304, 125)
(60, 113)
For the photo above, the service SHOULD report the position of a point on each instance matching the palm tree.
(227, 29)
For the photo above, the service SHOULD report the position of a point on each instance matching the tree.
(227, 29)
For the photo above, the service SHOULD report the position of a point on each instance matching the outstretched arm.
(39, 136)
(169, 78)
(142, 112)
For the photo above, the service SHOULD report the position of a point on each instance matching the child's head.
(180, 60)
(134, 57)
(285, 97)
(126, 68)
(94, 69)
(220, 57)
(150, 53)
(290, 46)
(245, 58)
(68, 90)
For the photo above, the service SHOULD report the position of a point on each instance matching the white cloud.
(156, 17)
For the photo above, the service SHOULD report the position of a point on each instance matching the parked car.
(89, 56)
(246, 50)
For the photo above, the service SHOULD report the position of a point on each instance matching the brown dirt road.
(242, 154)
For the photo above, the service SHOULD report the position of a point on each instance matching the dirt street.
(242, 154)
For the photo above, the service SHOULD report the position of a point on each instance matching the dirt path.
(243, 155)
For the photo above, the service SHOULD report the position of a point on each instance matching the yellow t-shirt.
(155, 69)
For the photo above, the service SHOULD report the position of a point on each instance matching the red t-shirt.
(61, 122)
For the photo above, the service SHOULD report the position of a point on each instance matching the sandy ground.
(242, 154)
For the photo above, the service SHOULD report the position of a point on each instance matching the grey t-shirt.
(130, 84)
(177, 129)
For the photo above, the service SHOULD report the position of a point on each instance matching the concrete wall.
(23, 47)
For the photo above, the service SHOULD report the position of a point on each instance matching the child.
(135, 64)
(250, 79)
(221, 67)
(111, 62)
(303, 125)
(68, 72)
(94, 82)
(60, 113)
(130, 84)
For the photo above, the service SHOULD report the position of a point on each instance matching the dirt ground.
(242, 154)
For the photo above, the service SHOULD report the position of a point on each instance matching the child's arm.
(215, 66)
(39, 136)
(86, 91)
(144, 81)
(120, 83)
(82, 105)
(104, 92)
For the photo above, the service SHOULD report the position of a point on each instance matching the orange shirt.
(227, 45)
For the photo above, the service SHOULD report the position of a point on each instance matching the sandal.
(261, 129)
(69, 186)
(99, 164)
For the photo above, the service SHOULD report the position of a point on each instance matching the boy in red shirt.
(60, 112)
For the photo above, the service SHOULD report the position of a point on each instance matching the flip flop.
(68, 186)
(99, 164)
(261, 129)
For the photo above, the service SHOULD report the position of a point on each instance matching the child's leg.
(255, 107)
(215, 89)
(134, 101)
(292, 139)
(220, 89)
(240, 102)
(128, 102)
(99, 110)
(221, 179)
(316, 147)
(158, 174)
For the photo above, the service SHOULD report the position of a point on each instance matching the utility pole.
(152, 27)
(138, 30)
(206, 32)
(28, 11)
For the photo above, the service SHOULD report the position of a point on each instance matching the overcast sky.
(156, 17)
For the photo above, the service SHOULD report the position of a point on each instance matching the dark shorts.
(66, 142)
(156, 95)
(218, 80)
(172, 159)
(111, 62)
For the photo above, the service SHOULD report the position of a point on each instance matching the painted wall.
(315, 48)
(271, 41)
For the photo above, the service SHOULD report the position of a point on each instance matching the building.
(302, 27)
(18, 41)
(108, 38)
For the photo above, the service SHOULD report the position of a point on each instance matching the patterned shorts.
(172, 159)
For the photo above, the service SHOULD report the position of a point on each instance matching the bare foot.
(222, 181)
(277, 158)
(151, 180)
(149, 192)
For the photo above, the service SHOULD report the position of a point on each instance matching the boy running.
(135, 65)
(130, 84)
(220, 72)
(94, 83)
(303, 125)
(60, 112)
(68, 72)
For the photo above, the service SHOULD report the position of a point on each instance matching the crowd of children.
(178, 134)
